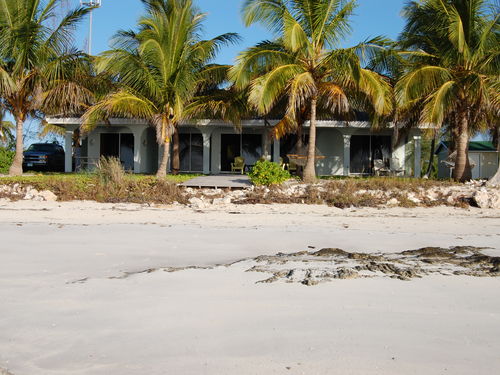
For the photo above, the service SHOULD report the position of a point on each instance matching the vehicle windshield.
(42, 147)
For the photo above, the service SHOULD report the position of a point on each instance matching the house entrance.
(119, 145)
(367, 148)
(191, 152)
(249, 146)
(230, 148)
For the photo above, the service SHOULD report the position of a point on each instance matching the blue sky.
(373, 17)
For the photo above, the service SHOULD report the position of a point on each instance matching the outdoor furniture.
(84, 163)
(296, 161)
(238, 165)
(380, 168)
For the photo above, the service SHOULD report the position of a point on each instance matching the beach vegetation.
(6, 159)
(267, 173)
(34, 60)
(452, 65)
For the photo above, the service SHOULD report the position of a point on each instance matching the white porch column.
(68, 151)
(216, 152)
(347, 154)
(417, 140)
(137, 150)
(276, 151)
(206, 152)
(266, 145)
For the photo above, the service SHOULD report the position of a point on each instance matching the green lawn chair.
(238, 165)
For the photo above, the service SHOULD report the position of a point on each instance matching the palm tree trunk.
(310, 169)
(299, 147)
(162, 169)
(431, 158)
(16, 169)
(176, 160)
(462, 171)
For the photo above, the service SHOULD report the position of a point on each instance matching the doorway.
(191, 152)
(367, 148)
(119, 145)
(249, 146)
(230, 148)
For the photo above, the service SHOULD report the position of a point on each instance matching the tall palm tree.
(159, 69)
(32, 56)
(455, 68)
(305, 64)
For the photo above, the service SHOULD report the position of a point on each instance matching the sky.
(372, 18)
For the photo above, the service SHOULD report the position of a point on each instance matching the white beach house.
(209, 147)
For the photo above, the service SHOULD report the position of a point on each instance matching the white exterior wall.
(333, 142)
(489, 164)
(398, 156)
(140, 144)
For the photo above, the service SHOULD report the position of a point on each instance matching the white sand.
(219, 321)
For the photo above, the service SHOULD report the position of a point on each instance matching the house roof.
(474, 146)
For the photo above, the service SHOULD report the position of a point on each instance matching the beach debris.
(20, 192)
(487, 198)
(312, 268)
(329, 264)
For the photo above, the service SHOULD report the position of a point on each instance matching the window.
(191, 152)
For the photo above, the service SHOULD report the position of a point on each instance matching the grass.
(355, 192)
(40, 178)
(89, 186)
(337, 192)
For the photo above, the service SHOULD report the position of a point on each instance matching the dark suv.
(44, 156)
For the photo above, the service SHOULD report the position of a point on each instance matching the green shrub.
(268, 173)
(6, 158)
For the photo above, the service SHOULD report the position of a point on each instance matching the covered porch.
(209, 147)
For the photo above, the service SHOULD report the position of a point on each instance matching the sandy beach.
(89, 288)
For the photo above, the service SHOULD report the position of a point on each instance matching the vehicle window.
(41, 147)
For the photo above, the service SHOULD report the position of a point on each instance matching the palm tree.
(454, 71)
(305, 64)
(32, 56)
(159, 69)
(6, 128)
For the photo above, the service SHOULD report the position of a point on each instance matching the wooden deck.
(229, 181)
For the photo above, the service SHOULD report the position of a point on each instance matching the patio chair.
(238, 165)
(379, 168)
